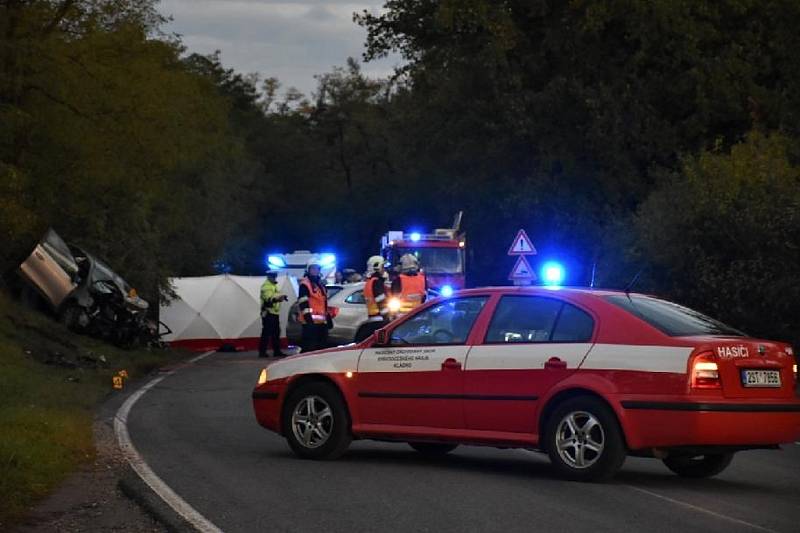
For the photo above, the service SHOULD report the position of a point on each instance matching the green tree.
(722, 235)
(112, 140)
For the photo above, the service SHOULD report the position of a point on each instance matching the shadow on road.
(521, 464)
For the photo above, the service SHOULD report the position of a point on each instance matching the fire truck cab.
(441, 254)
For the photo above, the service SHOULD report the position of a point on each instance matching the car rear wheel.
(316, 423)
(584, 440)
(433, 448)
(699, 466)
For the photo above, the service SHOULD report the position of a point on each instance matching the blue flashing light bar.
(276, 261)
(552, 273)
(415, 236)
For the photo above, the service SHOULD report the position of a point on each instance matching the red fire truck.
(441, 254)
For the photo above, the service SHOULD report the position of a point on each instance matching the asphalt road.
(197, 431)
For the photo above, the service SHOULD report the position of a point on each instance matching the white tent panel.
(177, 315)
(222, 307)
(253, 329)
(200, 328)
(231, 309)
(249, 284)
(196, 291)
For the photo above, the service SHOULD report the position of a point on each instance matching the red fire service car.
(586, 376)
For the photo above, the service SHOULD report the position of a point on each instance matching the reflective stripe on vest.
(412, 291)
(317, 302)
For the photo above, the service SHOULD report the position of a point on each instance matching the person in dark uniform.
(376, 297)
(313, 303)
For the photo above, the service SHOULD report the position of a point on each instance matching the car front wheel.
(584, 440)
(316, 423)
(700, 466)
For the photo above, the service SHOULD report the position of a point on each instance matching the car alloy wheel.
(316, 422)
(580, 439)
(584, 440)
(312, 422)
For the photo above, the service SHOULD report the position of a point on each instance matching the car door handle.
(451, 364)
(554, 363)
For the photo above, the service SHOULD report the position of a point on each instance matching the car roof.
(543, 290)
(347, 289)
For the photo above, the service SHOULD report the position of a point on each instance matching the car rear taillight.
(705, 372)
(790, 352)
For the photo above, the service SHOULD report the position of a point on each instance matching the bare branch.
(57, 100)
(59, 16)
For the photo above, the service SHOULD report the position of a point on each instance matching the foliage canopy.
(623, 135)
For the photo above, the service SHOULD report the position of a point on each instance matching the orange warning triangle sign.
(522, 245)
(522, 270)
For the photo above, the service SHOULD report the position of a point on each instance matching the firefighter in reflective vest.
(376, 296)
(313, 303)
(409, 287)
(270, 315)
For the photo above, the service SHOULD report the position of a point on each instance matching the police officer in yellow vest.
(313, 302)
(270, 315)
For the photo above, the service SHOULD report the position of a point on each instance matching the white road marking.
(140, 466)
(701, 509)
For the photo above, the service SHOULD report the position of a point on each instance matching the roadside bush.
(724, 236)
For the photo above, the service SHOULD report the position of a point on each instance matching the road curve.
(196, 430)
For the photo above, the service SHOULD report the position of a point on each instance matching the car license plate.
(761, 378)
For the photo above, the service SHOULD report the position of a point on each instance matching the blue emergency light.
(415, 236)
(446, 291)
(276, 261)
(327, 260)
(552, 273)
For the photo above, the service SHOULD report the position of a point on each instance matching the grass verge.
(51, 380)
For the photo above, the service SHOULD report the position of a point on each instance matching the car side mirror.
(381, 338)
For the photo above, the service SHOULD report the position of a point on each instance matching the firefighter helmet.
(374, 264)
(409, 263)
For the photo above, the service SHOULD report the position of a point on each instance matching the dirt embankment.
(91, 499)
(59, 462)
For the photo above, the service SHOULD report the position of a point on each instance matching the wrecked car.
(84, 293)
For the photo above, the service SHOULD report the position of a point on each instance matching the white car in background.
(351, 323)
(352, 314)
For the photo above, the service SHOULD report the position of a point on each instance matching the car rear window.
(671, 318)
(356, 298)
(332, 290)
(573, 325)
